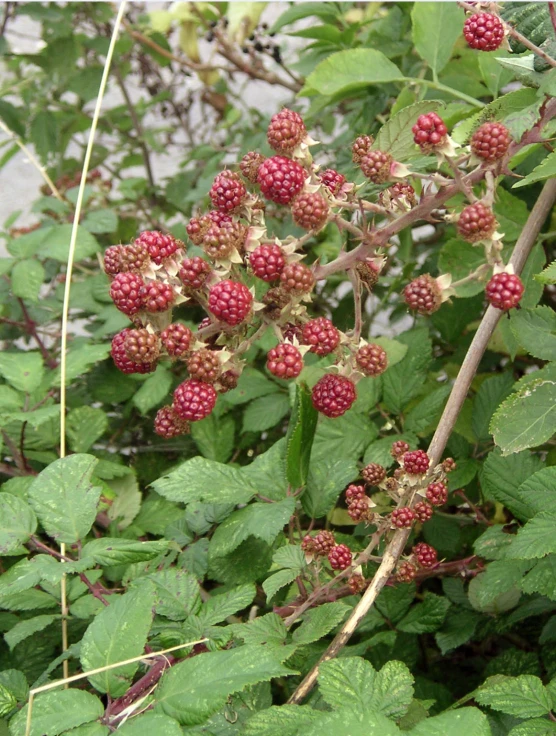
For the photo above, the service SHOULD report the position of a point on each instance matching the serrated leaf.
(57, 711)
(460, 722)
(267, 472)
(421, 416)
(280, 720)
(499, 578)
(251, 385)
(27, 628)
(154, 390)
(16, 682)
(28, 573)
(108, 551)
(176, 593)
(56, 243)
(426, 616)
(300, 437)
(493, 543)
(44, 133)
(266, 412)
(539, 490)
(395, 135)
(392, 691)
(220, 606)
(80, 360)
(27, 278)
(545, 170)
(534, 328)
(18, 522)
(395, 350)
(534, 727)
(535, 539)
(541, 578)
(523, 696)
(548, 276)
(436, 28)
(489, 396)
(150, 724)
(347, 722)
(101, 221)
(126, 505)
(319, 622)
(268, 629)
(511, 213)
(345, 437)
(214, 436)
(7, 701)
(501, 478)
(350, 70)
(459, 259)
(84, 426)
(526, 419)
(457, 629)
(347, 682)
(275, 582)
(405, 380)
(327, 479)
(24, 370)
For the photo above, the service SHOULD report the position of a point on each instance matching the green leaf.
(494, 75)
(319, 622)
(534, 727)
(281, 720)
(328, 477)
(300, 437)
(251, 385)
(176, 592)
(545, 170)
(427, 411)
(16, 682)
(267, 472)
(539, 490)
(436, 28)
(542, 578)
(64, 498)
(489, 396)
(117, 633)
(127, 503)
(488, 590)
(460, 722)
(266, 412)
(80, 360)
(58, 711)
(27, 628)
(305, 10)
(275, 582)
(534, 328)
(24, 370)
(28, 573)
(101, 221)
(347, 682)
(214, 436)
(347, 722)
(493, 543)
(426, 616)
(523, 696)
(56, 244)
(548, 276)
(84, 426)
(501, 478)
(535, 539)
(395, 350)
(44, 133)
(222, 605)
(107, 551)
(511, 213)
(526, 419)
(268, 629)
(150, 724)
(29, 600)
(395, 135)
(18, 522)
(345, 437)
(351, 70)
(457, 629)
(379, 451)
(27, 278)
(13, 117)
(7, 700)
(193, 690)
(154, 390)
(459, 259)
(405, 380)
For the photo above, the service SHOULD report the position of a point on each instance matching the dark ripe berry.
(321, 335)
(120, 358)
(483, 31)
(275, 299)
(373, 474)
(416, 462)
(354, 492)
(135, 257)
(403, 518)
(310, 211)
(159, 245)
(491, 141)
(356, 583)
(249, 165)
(230, 301)
(449, 464)
(203, 365)
(267, 262)
(227, 192)
(176, 338)
(371, 359)
(228, 381)
(332, 180)
(423, 511)
(423, 295)
(476, 222)
(358, 510)
(168, 424)
(376, 166)
(126, 291)
(297, 278)
(437, 493)
(194, 400)
(399, 448)
(323, 542)
(281, 179)
(284, 361)
(157, 296)
(292, 331)
(340, 557)
(361, 147)
(369, 271)
(141, 346)
(399, 196)
(333, 395)
(194, 272)
(504, 291)
(406, 572)
(113, 260)
(425, 554)
(429, 132)
(286, 131)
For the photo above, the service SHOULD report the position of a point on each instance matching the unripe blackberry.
(203, 365)
(127, 293)
(249, 165)
(449, 464)
(376, 166)
(307, 545)
(281, 179)
(333, 395)
(310, 211)
(371, 359)
(284, 361)
(176, 338)
(406, 572)
(267, 262)
(297, 278)
(168, 424)
(113, 260)
(423, 511)
(230, 301)
(292, 331)
(228, 381)
(135, 257)
(332, 180)
(403, 517)
(196, 229)
(504, 291)
(356, 583)
(157, 296)
(141, 346)
(437, 493)
(483, 31)
(275, 299)
(476, 222)
(423, 295)
(368, 271)
(425, 554)
(194, 272)
(321, 335)
(323, 542)
(121, 360)
(361, 147)
(373, 474)
(358, 510)
(286, 131)
(159, 245)
(340, 557)
(399, 196)
(491, 141)
(429, 132)
(194, 400)
(399, 448)
(416, 462)
(354, 492)
(227, 192)
(217, 243)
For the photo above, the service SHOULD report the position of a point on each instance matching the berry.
(361, 147)
(203, 365)
(217, 243)
(159, 246)
(292, 331)
(120, 358)
(228, 381)
(332, 180)
(157, 296)
(429, 132)
(227, 192)
(323, 542)
(310, 211)
(267, 262)
(340, 557)
(399, 196)
(307, 545)
(249, 165)
(196, 229)
(491, 141)
(376, 166)
(284, 361)
(230, 301)
(333, 395)
(176, 338)
(113, 260)
(135, 257)
(358, 509)
(504, 290)
(369, 271)
(354, 492)
(402, 518)
(321, 335)
(371, 359)
(275, 299)
(449, 464)
(437, 493)
(194, 400)
(194, 272)
(476, 222)
(399, 448)
(356, 583)
(406, 572)
(416, 462)
(168, 424)
(423, 511)
(423, 295)
(373, 474)
(286, 131)
(483, 31)
(297, 278)
(141, 346)
(425, 554)
(281, 179)
(127, 293)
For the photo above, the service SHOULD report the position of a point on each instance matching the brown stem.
(142, 685)
(552, 11)
(31, 328)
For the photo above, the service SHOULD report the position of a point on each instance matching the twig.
(31, 328)
(552, 11)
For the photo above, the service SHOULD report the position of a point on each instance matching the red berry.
(135, 257)
(491, 141)
(400, 196)
(504, 291)
(321, 335)
(403, 518)
(399, 448)
(176, 338)
(376, 166)
(333, 395)
(406, 572)
(194, 272)
(323, 542)
(230, 301)
(429, 132)
(371, 359)
(425, 554)
(423, 511)
(476, 222)
(284, 361)
(310, 211)
(373, 474)
(194, 400)
(423, 295)
(203, 365)
(297, 278)
(358, 509)
(356, 583)
(249, 165)
(483, 31)
(437, 493)
(332, 180)
(157, 296)
(126, 291)
(196, 228)
(267, 262)
(141, 346)
(227, 192)
(168, 424)
(292, 331)
(113, 260)
(340, 557)
(361, 147)
(354, 492)
(159, 246)
(416, 462)
(219, 242)
(121, 360)
(286, 131)
(281, 179)
(449, 464)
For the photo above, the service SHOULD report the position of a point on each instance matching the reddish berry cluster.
(483, 31)
(332, 180)
(321, 335)
(423, 295)
(297, 278)
(281, 179)
(476, 222)
(267, 262)
(121, 359)
(194, 400)
(429, 132)
(158, 245)
(319, 545)
(230, 301)
(310, 211)
(284, 361)
(423, 511)
(373, 474)
(361, 147)
(425, 555)
(406, 572)
(376, 166)
(504, 291)
(371, 359)
(403, 517)
(416, 462)
(437, 493)
(169, 424)
(340, 557)
(333, 395)
(286, 131)
(176, 338)
(491, 141)
(227, 192)
(399, 448)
